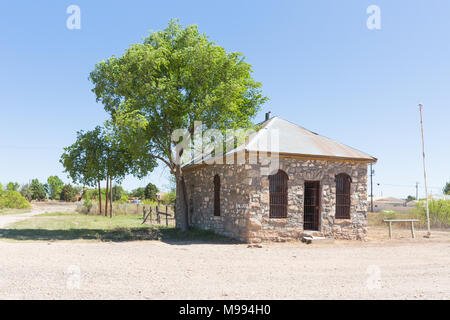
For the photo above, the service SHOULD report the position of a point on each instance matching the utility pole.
(425, 172)
(371, 187)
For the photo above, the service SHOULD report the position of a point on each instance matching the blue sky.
(319, 64)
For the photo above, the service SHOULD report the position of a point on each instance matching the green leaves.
(37, 190)
(175, 77)
(55, 185)
(13, 200)
(446, 189)
(101, 153)
(84, 161)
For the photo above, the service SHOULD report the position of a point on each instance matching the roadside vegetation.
(13, 200)
(439, 215)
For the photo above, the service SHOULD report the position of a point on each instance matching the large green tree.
(175, 77)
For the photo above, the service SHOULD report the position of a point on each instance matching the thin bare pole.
(425, 172)
(371, 187)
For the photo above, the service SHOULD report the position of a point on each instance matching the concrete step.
(313, 239)
(313, 234)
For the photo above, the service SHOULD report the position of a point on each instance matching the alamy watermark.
(374, 20)
(373, 281)
(73, 280)
(73, 22)
(237, 146)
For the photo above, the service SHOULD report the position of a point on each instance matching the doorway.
(311, 212)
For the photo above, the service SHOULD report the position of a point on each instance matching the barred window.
(216, 195)
(278, 193)
(343, 184)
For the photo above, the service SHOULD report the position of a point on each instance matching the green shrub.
(389, 214)
(68, 193)
(123, 199)
(118, 193)
(439, 212)
(88, 204)
(169, 198)
(14, 200)
(91, 194)
(149, 202)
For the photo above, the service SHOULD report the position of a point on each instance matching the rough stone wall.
(234, 199)
(245, 200)
(300, 170)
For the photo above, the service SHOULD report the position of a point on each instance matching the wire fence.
(163, 215)
(159, 215)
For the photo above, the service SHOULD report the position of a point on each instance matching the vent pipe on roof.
(268, 115)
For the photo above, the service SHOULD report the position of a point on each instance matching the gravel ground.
(378, 269)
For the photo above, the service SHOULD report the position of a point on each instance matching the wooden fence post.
(151, 215)
(157, 215)
(167, 218)
(143, 213)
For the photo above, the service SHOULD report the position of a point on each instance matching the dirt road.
(37, 208)
(157, 270)
(403, 268)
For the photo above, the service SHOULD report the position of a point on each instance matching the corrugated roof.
(295, 140)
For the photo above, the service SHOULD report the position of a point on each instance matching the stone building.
(302, 184)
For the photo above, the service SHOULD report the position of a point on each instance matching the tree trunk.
(110, 198)
(182, 204)
(107, 190)
(99, 197)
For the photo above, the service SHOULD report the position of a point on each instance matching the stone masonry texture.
(244, 200)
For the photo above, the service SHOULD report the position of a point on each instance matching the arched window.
(278, 191)
(343, 183)
(216, 195)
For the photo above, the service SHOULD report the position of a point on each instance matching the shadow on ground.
(167, 235)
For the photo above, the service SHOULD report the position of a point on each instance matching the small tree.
(25, 191)
(84, 161)
(446, 189)
(138, 193)
(1, 190)
(55, 186)
(118, 193)
(150, 192)
(68, 193)
(12, 186)
(410, 198)
(37, 190)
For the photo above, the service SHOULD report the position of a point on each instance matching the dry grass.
(13, 211)
(75, 226)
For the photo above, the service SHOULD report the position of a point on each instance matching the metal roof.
(296, 140)
(292, 140)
